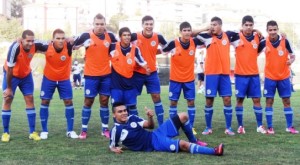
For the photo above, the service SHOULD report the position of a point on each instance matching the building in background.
(5, 8)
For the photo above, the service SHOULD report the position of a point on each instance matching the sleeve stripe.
(12, 54)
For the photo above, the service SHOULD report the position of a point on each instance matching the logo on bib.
(129, 61)
(153, 43)
(191, 52)
(224, 42)
(63, 58)
(133, 125)
(106, 44)
(280, 53)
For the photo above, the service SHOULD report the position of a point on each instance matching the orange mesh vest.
(124, 65)
(148, 48)
(97, 59)
(246, 56)
(22, 66)
(276, 58)
(217, 59)
(58, 65)
(182, 62)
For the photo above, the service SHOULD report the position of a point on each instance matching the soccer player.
(217, 71)
(17, 73)
(57, 75)
(182, 75)
(97, 72)
(279, 57)
(148, 42)
(76, 70)
(247, 81)
(200, 72)
(130, 131)
(124, 57)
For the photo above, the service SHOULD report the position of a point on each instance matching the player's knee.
(45, 102)
(183, 116)
(155, 97)
(88, 102)
(68, 102)
(191, 103)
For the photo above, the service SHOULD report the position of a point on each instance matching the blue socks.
(159, 111)
(44, 114)
(172, 111)
(69, 113)
(132, 110)
(196, 149)
(258, 114)
(208, 115)
(269, 116)
(5, 120)
(104, 115)
(191, 113)
(86, 114)
(228, 116)
(239, 115)
(187, 128)
(31, 119)
(288, 112)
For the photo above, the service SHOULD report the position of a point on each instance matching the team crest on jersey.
(280, 52)
(133, 125)
(224, 42)
(265, 91)
(63, 58)
(30, 56)
(87, 92)
(170, 94)
(153, 43)
(129, 61)
(191, 52)
(254, 45)
(208, 91)
(106, 44)
(42, 93)
(172, 147)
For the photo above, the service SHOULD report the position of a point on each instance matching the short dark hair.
(272, 23)
(217, 19)
(184, 25)
(57, 31)
(27, 33)
(247, 18)
(116, 104)
(122, 30)
(147, 18)
(99, 16)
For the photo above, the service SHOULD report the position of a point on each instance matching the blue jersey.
(276, 43)
(171, 45)
(117, 80)
(207, 38)
(161, 39)
(131, 135)
(85, 38)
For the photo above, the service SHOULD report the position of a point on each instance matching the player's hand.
(289, 62)
(8, 94)
(117, 150)
(149, 112)
(148, 71)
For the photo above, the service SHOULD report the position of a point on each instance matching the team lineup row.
(133, 65)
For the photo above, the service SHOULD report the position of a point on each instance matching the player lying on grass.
(130, 132)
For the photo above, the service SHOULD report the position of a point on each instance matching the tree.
(114, 21)
(17, 8)
(10, 29)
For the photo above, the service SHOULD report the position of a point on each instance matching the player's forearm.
(9, 76)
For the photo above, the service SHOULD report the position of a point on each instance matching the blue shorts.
(200, 76)
(283, 88)
(217, 83)
(151, 81)
(25, 84)
(97, 85)
(187, 87)
(247, 86)
(76, 77)
(127, 97)
(48, 88)
(162, 137)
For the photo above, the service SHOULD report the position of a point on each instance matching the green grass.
(251, 148)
